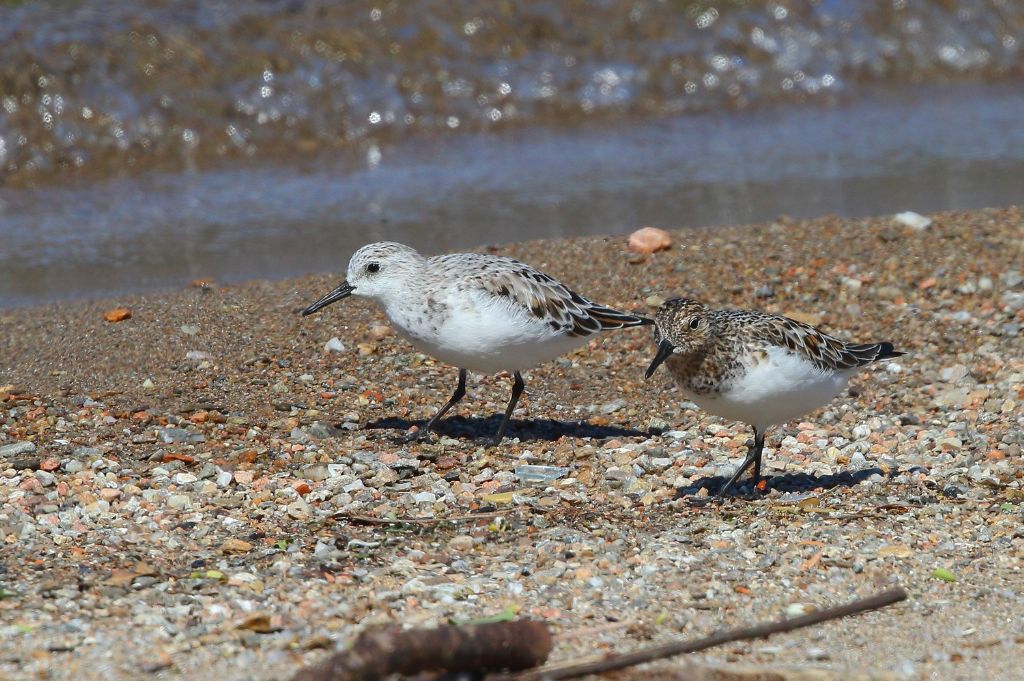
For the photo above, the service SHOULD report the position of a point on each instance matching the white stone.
(179, 501)
(862, 431)
(913, 220)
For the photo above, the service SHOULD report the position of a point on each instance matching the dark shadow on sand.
(475, 428)
(790, 482)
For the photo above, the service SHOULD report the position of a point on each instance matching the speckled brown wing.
(827, 352)
(551, 301)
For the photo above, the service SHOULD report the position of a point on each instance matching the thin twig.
(590, 631)
(604, 663)
(991, 642)
(373, 520)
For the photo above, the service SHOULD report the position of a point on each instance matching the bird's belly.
(487, 340)
(778, 389)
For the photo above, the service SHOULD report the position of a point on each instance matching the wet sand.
(167, 479)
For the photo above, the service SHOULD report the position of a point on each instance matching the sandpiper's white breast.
(773, 389)
(474, 330)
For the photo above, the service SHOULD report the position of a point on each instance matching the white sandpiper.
(477, 312)
(759, 368)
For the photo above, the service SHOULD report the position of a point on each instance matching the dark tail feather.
(614, 319)
(867, 353)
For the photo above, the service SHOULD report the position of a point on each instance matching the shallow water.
(924, 149)
(147, 142)
(97, 86)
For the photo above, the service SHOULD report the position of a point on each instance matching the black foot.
(421, 435)
(760, 488)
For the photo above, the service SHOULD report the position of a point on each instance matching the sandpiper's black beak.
(343, 291)
(665, 349)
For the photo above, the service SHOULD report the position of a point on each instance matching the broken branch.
(495, 646)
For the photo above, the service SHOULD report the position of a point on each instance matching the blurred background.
(144, 143)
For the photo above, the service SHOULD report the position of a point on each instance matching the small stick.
(603, 663)
(590, 631)
(373, 520)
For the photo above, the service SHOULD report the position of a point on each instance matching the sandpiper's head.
(376, 271)
(681, 326)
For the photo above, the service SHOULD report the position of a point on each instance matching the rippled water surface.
(147, 142)
(100, 85)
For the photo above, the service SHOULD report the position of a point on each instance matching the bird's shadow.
(790, 482)
(476, 428)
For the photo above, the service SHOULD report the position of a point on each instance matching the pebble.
(798, 609)
(657, 426)
(322, 430)
(379, 332)
(72, 466)
(952, 398)
(954, 374)
(316, 473)
(299, 509)
(461, 543)
(535, 474)
(179, 501)
(649, 240)
(334, 345)
(16, 449)
(861, 432)
(1012, 278)
(614, 406)
(913, 220)
(180, 435)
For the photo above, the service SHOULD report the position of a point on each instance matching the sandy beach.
(190, 493)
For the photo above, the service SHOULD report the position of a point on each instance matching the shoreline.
(169, 478)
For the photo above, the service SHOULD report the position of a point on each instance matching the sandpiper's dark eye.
(373, 267)
(694, 323)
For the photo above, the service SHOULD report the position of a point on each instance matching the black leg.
(759, 446)
(517, 390)
(460, 392)
(753, 459)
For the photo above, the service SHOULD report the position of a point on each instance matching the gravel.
(235, 516)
